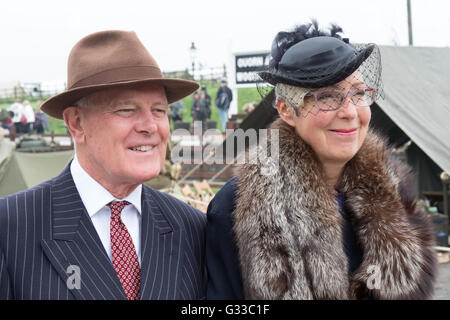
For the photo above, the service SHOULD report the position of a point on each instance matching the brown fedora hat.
(112, 59)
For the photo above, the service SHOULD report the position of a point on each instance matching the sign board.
(247, 65)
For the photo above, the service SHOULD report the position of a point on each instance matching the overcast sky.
(37, 36)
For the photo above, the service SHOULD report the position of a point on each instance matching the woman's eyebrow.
(354, 84)
(359, 83)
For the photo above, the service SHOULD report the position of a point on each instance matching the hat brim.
(176, 89)
(336, 76)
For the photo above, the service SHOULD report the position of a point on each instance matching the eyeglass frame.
(345, 93)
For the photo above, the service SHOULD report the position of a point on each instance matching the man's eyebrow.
(160, 103)
(120, 103)
(127, 102)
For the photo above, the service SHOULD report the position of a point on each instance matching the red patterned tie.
(124, 257)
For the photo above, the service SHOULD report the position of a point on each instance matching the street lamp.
(193, 53)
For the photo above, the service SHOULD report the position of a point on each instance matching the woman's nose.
(347, 108)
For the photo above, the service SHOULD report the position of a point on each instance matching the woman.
(335, 217)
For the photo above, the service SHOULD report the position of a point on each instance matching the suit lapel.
(75, 245)
(162, 258)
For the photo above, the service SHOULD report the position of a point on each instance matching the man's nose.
(146, 123)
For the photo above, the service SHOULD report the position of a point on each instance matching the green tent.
(21, 170)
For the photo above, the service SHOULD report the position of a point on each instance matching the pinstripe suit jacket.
(46, 229)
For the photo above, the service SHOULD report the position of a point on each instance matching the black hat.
(317, 62)
(310, 57)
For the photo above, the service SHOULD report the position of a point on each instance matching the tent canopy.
(24, 170)
(417, 97)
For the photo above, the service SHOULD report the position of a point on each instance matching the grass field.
(245, 95)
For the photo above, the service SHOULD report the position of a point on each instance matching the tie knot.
(116, 207)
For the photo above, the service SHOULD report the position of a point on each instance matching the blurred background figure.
(28, 112)
(177, 111)
(249, 107)
(208, 101)
(17, 109)
(6, 118)
(204, 109)
(41, 120)
(223, 100)
(195, 108)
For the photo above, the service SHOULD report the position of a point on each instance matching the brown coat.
(289, 236)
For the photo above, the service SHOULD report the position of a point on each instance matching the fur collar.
(288, 227)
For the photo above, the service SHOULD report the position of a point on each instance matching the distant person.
(223, 100)
(40, 123)
(248, 107)
(204, 110)
(177, 111)
(195, 108)
(19, 118)
(208, 101)
(7, 119)
(28, 111)
(42, 117)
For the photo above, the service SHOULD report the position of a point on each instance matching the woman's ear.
(286, 112)
(72, 118)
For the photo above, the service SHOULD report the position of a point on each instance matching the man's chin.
(139, 174)
(149, 175)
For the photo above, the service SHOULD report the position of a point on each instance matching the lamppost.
(193, 53)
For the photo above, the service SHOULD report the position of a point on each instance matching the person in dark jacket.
(97, 231)
(330, 214)
(223, 100)
(200, 109)
(177, 111)
(207, 101)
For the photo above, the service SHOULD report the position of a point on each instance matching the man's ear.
(72, 118)
(286, 112)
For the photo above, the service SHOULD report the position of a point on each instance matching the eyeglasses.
(332, 99)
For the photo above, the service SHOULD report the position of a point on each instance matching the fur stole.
(288, 227)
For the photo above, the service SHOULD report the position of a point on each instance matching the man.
(223, 100)
(95, 231)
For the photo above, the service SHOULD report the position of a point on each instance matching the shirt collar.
(94, 195)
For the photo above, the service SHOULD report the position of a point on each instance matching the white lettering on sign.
(246, 77)
(250, 62)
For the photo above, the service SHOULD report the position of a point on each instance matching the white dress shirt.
(95, 198)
